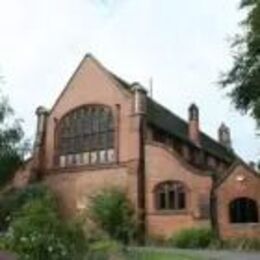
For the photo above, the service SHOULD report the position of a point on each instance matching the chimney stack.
(224, 136)
(42, 114)
(194, 131)
(139, 98)
(252, 165)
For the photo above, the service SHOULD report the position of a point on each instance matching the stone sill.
(80, 168)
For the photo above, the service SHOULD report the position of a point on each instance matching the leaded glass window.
(243, 210)
(86, 136)
(170, 196)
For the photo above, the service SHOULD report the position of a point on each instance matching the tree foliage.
(12, 146)
(36, 230)
(12, 200)
(244, 76)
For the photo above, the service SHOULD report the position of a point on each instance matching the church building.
(104, 132)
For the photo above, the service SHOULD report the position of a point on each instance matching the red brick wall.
(92, 84)
(165, 165)
(240, 183)
(73, 189)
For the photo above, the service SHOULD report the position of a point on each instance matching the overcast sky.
(182, 45)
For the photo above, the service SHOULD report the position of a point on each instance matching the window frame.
(86, 135)
(179, 193)
(238, 214)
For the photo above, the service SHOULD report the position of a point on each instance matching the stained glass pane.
(173, 194)
(162, 201)
(87, 129)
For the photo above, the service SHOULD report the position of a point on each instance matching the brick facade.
(142, 161)
(164, 165)
(240, 182)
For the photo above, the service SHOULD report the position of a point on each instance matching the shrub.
(13, 200)
(111, 211)
(36, 232)
(193, 238)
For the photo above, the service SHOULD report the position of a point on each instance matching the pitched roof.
(164, 119)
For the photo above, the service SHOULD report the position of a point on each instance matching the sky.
(182, 45)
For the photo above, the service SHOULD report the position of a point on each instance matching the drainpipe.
(213, 206)
(140, 110)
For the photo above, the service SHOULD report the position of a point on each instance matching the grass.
(134, 254)
(151, 255)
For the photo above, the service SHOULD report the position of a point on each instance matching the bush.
(193, 238)
(112, 212)
(13, 200)
(36, 232)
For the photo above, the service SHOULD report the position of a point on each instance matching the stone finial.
(194, 129)
(41, 111)
(224, 136)
(193, 112)
(42, 114)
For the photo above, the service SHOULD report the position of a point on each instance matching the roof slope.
(164, 119)
(167, 121)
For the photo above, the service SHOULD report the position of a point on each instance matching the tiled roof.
(167, 121)
(164, 119)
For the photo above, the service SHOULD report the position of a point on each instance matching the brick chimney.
(194, 131)
(224, 136)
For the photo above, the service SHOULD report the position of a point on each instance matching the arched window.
(170, 196)
(243, 210)
(86, 136)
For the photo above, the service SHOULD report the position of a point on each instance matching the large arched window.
(86, 136)
(243, 210)
(170, 196)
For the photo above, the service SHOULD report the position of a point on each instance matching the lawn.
(151, 255)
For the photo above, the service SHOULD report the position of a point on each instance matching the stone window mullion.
(89, 129)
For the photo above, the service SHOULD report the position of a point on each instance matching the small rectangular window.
(172, 200)
(63, 161)
(93, 157)
(111, 155)
(162, 201)
(69, 159)
(86, 158)
(102, 156)
(181, 201)
(78, 159)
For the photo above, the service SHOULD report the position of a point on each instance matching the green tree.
(244, 76)
(12, 144)
(36, 230)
